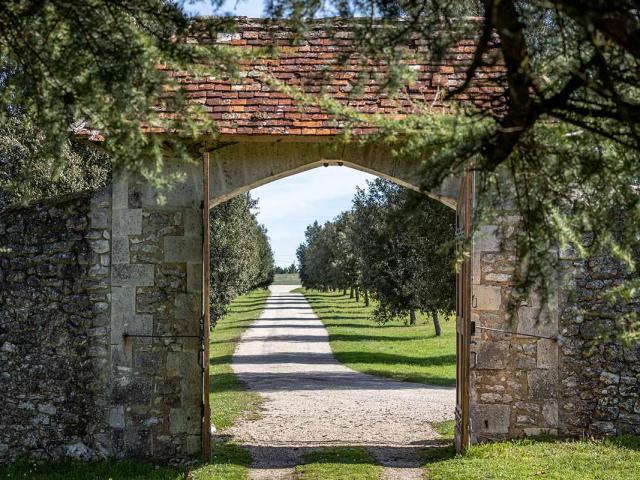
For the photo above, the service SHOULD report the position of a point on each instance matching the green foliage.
(338, 463)
(291, 269)
(241, 257)
(92, 66)
(402, 237)
(394, 243)
(615, 459)
(229, 398)
(28, 174)
(411, 354)
(286, 279)
(558, 144)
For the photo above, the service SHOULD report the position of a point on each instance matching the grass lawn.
(614, 459)
(228, 397)
(286, 279)
(340, 463)
(228, 462)
(67, 470)
(396, 350)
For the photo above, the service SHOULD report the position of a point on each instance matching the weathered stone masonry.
(54, 326)
(599, 377)
(100, 322)
(156, 279)
(100, 294)
(572, 383)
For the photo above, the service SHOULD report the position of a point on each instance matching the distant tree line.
(241, 256)
(394, 245)
(284, 270)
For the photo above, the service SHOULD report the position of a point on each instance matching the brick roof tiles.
(249, 106)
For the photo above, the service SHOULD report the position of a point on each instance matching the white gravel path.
(313, 401)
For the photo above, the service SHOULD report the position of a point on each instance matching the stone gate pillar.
(156, 274)
(514, 358)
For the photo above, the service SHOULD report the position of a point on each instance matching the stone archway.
(140, 269)
(237, 167)
(157, 303)
(157, 283)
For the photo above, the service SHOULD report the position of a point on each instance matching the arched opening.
(228, 181)
(239, 167)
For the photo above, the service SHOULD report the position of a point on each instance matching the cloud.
(317, 189)
(288, 205)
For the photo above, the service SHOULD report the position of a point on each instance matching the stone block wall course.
(581, 380)
(156, 395)
(54, 327)
(600, 376)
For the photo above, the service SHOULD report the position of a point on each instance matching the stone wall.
(514, 361)
(551, 371)
(100, 331)
(156, 278)
(599, 375)
(54, 327)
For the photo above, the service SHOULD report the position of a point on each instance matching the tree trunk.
(357, 294)
(436, 323)
(344, 292)
(366, 298)
(412, 316)
(351, 292)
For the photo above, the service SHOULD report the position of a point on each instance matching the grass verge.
(446, 429)
(228, 395)
(340, 463)
(612, 459)
(228, 462)
(68, 470)
(395, 350)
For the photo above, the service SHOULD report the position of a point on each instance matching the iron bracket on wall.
(555, 338)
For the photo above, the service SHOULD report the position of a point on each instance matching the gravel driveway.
(312, 400)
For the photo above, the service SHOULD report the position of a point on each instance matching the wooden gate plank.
(206, 278)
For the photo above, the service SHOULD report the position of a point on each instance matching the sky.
(288, 205)
(241, 8)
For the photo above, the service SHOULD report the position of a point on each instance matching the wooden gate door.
(206, 409)
(463, 312)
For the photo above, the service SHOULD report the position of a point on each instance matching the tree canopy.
(560, 147)
(392, 244)
(241, 256)
(93, 65)
(564, 134)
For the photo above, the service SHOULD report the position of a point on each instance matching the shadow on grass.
(273, 456)
(322, 338)
(71, 470)
(440, 453)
